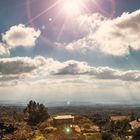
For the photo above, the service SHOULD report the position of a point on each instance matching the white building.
(135, 124)
(63, 119)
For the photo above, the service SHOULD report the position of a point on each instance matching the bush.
(106, 136)
(136, 134)
(87, 126)
(36, 113)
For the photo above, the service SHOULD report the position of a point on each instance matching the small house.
(135, 124)
(63, 119)
(119, 118)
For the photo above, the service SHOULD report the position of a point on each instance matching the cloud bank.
(20, 65)
(48, 69)
(110, 36)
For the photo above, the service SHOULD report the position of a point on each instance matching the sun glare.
(72, 7)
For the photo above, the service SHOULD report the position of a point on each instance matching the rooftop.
(61, 117)
(119, 118)
(135, 124)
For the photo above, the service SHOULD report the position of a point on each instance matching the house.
(135, 124)
(119, 118)
(63, 119)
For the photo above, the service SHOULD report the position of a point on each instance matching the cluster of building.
(134, 124)
(70, 119)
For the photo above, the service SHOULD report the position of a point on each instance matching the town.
(36, 122)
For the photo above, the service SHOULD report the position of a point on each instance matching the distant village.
(35, 123)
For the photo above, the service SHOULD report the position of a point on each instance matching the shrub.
(36, 113)
(136, 134)
(106, 136)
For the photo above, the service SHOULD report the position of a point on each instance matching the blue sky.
(85, 50)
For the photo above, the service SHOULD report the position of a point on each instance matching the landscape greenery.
(35, 122)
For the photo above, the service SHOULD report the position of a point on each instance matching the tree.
(120, 127)
(136, 134)
(36, 113)
(132, 117)
(106, 136)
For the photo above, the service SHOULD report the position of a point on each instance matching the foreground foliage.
(136, 134)
(36, 113)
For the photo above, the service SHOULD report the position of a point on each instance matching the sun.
(72, 7)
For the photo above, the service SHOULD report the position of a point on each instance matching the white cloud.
(89, 23)
(44, 77)
(20, 35)
(3, 49)
(50, 71)
(82, 68)
(20, 65)
(110, 36)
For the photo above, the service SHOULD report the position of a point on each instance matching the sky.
(70, 50)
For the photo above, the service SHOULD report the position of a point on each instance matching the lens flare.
(72, 7)
(67, 130)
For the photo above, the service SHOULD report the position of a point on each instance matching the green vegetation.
(132, 117)
(136, 134)
(34, 123)
(36, 113)
(106, 136)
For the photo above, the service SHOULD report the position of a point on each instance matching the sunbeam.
(43, 12)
